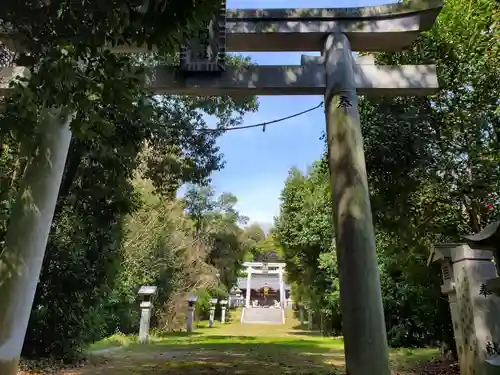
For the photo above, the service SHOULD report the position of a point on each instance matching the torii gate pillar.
(363, 324)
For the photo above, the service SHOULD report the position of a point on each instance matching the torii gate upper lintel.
(368, 29)
(336, 75)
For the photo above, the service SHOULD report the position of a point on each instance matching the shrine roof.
(258, 281)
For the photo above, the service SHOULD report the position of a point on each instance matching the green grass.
(234, 349)
(116, 340)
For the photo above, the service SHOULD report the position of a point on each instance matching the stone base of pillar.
(144, 325)
(212, 317)
(190, 319)
(223, 316)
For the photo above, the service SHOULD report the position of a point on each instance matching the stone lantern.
(146, 294)
(307, 307)
(441, 254)
(237, 293)
(213, 303)
(190, 317)
(223, 306)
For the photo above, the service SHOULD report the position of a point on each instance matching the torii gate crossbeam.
(334, 32)
(306, 79)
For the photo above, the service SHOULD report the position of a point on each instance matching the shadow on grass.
(120, 341)
(181, 334)
(411, 358)
(307, 333)
(205, 354)
(209, 355)
(247, 343)
(302, 330)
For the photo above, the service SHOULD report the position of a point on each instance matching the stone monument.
(475, 310)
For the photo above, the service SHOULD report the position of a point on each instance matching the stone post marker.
(237, 293)
(301, 315)
(190, 315)
(223, 306)
(146, 294)
(489, 239)
(475, 311)
(211, 319)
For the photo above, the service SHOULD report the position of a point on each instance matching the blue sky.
(257, 163)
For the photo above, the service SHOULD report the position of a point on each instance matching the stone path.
(261, 315)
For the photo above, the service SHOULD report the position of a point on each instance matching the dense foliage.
(433, 165)
(217, 222)
(38, 25)
(162, 249)
(119, 130)
(262, 247)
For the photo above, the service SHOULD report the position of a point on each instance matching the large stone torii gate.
(335, 74)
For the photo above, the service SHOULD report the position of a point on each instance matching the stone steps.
(260, 315)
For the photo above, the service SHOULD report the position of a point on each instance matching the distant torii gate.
(336, 75)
